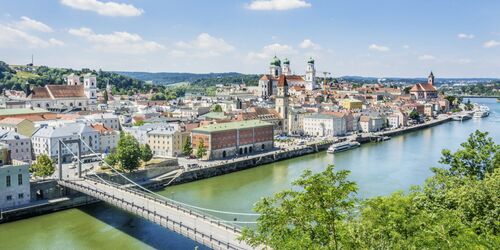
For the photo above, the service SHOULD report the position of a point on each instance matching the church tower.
(90, 89)
(430, 79)
(275, 67)
(73, 79)
(286, 67)
(282, 102)
(310, 75)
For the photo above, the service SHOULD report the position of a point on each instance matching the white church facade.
(268, 82)
(74, 95)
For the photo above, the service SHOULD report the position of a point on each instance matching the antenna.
(32, 60)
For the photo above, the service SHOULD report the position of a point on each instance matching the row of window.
(19, 180)
(19, 196)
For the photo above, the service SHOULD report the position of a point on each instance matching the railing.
(122, 203)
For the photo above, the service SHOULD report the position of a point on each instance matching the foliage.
(186, 148)
(139, 123)
(216, 108)
(311, 218)
(457, 208)
(43, 167)
(146, 154)
(111, 159)
(414, 115)
(480, 89)
(105, 96)
(128, 152)
(201, 150)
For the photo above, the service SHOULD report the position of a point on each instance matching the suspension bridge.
(194, 222)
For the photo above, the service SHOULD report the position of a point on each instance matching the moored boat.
(335, 148)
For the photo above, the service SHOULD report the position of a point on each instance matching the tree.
(111, 159)
(311, 216)
(478, 155)
(146, 154)
(128, 152)
(414, 115)
(201, 150)
(105, 96)
(186, 148)
(217, 108)
(43, 167)
(139, 123)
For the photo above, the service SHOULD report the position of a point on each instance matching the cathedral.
(268, 83)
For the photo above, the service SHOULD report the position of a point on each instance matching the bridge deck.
(196, 226)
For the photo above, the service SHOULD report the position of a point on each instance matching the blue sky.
(454, 38)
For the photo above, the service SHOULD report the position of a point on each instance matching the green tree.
(201, 150)
(216, 108)
(111, 159)
(311, 216)
(414, 115)
(128, 152)
(478, 155)
(43, 167)
(139, 123)
(105, 96)
(187, 149)
(146, 154)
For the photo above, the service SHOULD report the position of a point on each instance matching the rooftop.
(22, 111)
(232, 125)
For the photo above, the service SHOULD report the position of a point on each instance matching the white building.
(109, 120)
(166, 141)
(14, 181)
(140, 133)
(324, 125)
(19, 145)
(46, 139)
(108, 138)
(371, 123)
(74, 95)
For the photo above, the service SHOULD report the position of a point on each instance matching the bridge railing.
(166, 220)
(193, 212)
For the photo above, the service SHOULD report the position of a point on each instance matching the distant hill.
(166, 78)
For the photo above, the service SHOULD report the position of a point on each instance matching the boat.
(461, 117)
(481, 111)
(335, 148)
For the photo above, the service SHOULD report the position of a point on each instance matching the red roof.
(282, 81)
(426, 87)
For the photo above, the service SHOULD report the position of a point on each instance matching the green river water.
(378, 168)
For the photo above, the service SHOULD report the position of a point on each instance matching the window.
(7, 180)
(20, 179)
(9, 197)
(20, 196)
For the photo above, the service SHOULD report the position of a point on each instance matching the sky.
(383, 38)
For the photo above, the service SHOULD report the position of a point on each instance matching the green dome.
(275, 61)
(286, 61)
(311, 60)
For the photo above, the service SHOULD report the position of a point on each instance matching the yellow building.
(19, 125)
(351, 104)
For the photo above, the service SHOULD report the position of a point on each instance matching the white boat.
(481, 112)
(335, 148)
(460, 117)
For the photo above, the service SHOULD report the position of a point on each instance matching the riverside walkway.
(201, 228)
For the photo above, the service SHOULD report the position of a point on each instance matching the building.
(46, 139)
(425, 90)
(73, 95)
(371, 123)
(231, 139)
(166, 141)
(352, 104)
(296, 121)
(14, 181)
(19, 145)
(324, 125)
(268, 83)
(19, 125)
(109, 120)
(282, 101)
(140, 133)
(108, 138)
(23, 112)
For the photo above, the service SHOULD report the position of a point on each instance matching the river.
(377, 168)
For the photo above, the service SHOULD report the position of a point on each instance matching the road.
(194, 225)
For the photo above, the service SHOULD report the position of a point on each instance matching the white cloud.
(406, 46)
(308, 44)
(205, 45)
(11, 37)
(277, 4)
(378, 48)
(491, 44)
(118, 41)
(104, 8)
(272, 49)
(27, 23)
(426, 58)
(465, 36)
(463, 61)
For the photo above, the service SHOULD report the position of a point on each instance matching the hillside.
(167, 78)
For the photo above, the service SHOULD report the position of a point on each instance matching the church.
(268, 83)
(425, 90)
(75, 95)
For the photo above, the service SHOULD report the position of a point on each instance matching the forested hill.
(209, 79)
(19, 77)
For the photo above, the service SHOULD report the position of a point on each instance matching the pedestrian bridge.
(199, 227)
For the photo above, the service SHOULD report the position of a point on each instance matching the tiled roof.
(232, 125)
(282, 81)
(422, 87)
(11, 121)
(22, 111)
(57, 91)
